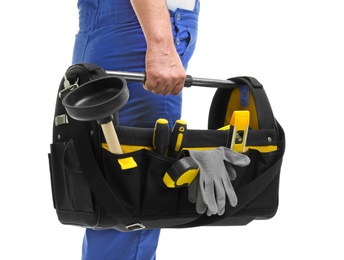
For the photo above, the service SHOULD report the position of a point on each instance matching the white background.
(294, 48)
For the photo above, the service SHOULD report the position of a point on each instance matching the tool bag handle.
(189, 81)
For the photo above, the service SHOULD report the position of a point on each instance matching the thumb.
(230, 170)
(233, 157)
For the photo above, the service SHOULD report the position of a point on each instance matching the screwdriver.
(161, 136)
(178, 137)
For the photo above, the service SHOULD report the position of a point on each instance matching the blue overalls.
(111, 37)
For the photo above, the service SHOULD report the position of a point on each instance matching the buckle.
(67, 86)
(135, 227)
(61, 120)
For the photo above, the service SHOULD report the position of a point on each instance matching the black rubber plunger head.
(97, 99)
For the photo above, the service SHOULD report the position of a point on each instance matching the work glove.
(213, 183)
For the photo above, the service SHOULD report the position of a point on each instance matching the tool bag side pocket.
(266, 203)
(73, 199)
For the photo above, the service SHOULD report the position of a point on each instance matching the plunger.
(99, 100)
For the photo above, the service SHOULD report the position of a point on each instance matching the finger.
(221, 211)
(200, 205)
(178, 83)
(173, 87)
(231, 195)
(192, 192)
(230, 170)
(210, 213)
(150, 86)
(163, 89)
(166, 89)
(234, 158)
(154, 83)
(209, 197)
(220, 195)
(177, 89)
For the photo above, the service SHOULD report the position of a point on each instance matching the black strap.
(95, 178)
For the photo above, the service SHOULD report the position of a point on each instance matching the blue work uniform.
(111, 37)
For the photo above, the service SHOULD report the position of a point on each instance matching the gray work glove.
(213, 183)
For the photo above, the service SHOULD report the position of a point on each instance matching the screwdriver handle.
(161, 136)
(178, 136)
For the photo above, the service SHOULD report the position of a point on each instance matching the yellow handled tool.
(161, 136)
(181, 173)
(178, 137)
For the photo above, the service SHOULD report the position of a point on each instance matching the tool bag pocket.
(265, 205)
(72, 196)
(136, 179)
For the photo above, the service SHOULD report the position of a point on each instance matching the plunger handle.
(111, 138)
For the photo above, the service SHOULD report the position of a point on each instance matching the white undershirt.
(183, 4)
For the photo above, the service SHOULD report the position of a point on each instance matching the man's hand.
(165, 73)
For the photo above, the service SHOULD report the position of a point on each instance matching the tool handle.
(189, 81)
(178, 136)
(161, 136)
(181, 173)
(111, 138)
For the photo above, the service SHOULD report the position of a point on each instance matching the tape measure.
(181, 173)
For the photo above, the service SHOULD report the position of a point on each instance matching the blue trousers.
(111, 37)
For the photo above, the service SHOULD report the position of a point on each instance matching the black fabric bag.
(94, 188)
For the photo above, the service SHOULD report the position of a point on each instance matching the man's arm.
(164, 70)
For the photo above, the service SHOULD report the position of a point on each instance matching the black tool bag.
(94, 188)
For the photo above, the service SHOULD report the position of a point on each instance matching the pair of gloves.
(213, 183)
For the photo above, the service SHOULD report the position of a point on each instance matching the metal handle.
(190, 81)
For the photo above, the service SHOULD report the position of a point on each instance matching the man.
(155, 36)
